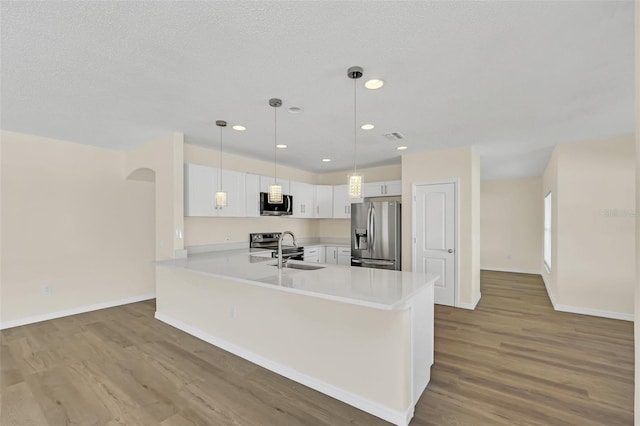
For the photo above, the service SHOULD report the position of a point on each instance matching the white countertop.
(373, 288)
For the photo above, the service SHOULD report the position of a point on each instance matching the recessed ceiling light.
(401, 148)
(281, 146)
(367, 126)
(295, 110)
(326, 160)
(374, 84)
(239, 128)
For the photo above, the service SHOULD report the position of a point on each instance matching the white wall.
(70, 220)
(637, 305)
(511, 219)
(372, 174)
(459, 163)
(163, 159)
(550, 185)
(594, 247)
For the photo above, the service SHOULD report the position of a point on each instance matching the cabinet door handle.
(385, 189)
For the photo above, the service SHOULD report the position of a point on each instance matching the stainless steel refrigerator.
(375, 234)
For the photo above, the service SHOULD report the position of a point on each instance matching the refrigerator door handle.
(369, 230)
(372, 238)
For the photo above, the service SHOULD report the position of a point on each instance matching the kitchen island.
(363, 336)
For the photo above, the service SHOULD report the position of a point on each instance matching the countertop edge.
(402, 304)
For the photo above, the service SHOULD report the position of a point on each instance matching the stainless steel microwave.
(283, 209)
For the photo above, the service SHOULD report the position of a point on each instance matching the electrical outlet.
(227, 238)
(46, 289)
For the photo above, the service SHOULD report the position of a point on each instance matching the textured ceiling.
(512, 78)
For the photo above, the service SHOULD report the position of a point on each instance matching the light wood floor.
(512, 361)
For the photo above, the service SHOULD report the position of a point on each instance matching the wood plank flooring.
(512, 361)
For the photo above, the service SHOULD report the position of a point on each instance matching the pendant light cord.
(355, 125)
(275, 144)
(220, 168)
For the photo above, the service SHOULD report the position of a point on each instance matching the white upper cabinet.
(252, 195)
(303, 199)
(324, 201)
(383, 189)
(265, 181)
(243, 194)
(200, 183)
(342, 202)
(233, 183)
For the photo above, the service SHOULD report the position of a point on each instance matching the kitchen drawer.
(344, 251)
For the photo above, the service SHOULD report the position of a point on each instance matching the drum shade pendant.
(221, 196)
(355, 179)
(275, 190)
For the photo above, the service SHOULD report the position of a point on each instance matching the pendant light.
(355, 179)
(221, 196)
(275, 190)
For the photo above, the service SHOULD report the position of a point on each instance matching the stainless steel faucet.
(281, 262)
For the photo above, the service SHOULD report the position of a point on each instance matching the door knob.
(450, 251)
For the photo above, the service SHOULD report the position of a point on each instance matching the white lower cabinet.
(332, 255)
(338, 255)
(312, 254)
(344, 256)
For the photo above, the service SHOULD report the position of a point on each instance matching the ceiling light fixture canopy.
(356, 180)
(221, 196)
(275, 190)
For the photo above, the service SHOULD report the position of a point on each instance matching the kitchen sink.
(302, 266)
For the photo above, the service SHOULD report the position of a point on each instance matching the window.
(547, 231)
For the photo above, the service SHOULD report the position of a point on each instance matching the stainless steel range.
(269, 241)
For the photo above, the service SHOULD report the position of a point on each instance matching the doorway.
(435, 236)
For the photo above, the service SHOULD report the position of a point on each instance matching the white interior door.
(434, 243)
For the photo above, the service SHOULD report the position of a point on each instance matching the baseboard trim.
(585, 311)
(513, 270)
(376, 409)
(470, 306)
(593, 312)
(74, 311)
(552, 298)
